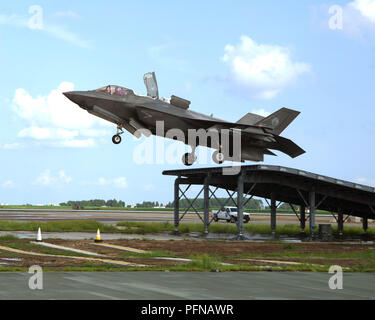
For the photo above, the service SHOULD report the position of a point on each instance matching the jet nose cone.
(70, 95)
(78, 98)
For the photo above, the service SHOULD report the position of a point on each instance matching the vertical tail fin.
(279, 120)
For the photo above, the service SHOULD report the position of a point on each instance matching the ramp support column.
(312, 199)
(240, 187)
(176, 205)
(206, 204)
(273, 214)
(340, 222)
(302, 210)
(365, 224)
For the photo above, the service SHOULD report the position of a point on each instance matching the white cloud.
(56, 31)
(13, 20)
(56, 121)
(366, 8)
(365, 181)
(262, 70)
(87, 143)
(11, 146)
(103, 181)
(120, 182)
(261, 112)
(8, 184)
(36, 133)
(67, 14)
(357, 18)
(61, 33)
(46, 178)
(64, 177)
(149, 187)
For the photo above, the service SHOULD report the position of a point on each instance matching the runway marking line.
(54, 246)
(123, 263)
(280, 262)
(186, 260)
(113, 246)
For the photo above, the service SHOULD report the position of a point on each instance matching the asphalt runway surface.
(186, 286)
(112, 217)
(101, 216)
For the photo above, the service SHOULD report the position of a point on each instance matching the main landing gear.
(116, 139)
(188, 159)
(218, 157)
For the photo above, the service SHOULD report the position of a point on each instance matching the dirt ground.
(244, 253)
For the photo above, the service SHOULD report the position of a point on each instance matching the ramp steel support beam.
(312, 197)
(177, 204)
(206, 203)
(191, 203)
(340, 221)
(365, 224)
(302, 210)
(240, 188)
(273, 213)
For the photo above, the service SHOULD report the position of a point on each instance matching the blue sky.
(228, 58)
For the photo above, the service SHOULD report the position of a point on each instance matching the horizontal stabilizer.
(250, 119)
(279, 120)
(269, 152)
(289, 147)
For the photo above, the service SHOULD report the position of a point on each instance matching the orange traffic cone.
(98, 238)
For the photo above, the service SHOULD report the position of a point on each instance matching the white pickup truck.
(229, 214)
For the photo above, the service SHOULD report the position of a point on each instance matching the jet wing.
(288, 146)
(131, 125)
(198, 123)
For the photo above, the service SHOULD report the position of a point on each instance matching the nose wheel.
(218, 157)
(116, 139)
(188, 159)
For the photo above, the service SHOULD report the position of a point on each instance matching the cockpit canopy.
(116, 90)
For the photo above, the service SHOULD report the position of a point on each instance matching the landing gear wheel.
(188, 159)
(218, 157)
(116, 139)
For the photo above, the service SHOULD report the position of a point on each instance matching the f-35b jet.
(141, 114)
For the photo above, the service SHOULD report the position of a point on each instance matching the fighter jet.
(140, 115)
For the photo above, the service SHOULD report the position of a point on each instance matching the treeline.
(253, 204)
(94, 203)
(149, 204)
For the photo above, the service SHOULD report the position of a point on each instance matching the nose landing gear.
(188, 159)
(116, 139)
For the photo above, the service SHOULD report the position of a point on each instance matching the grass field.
(155, 227)
(26, 207)
(218, 256)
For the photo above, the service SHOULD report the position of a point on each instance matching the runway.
(186, 286)
(112, 217)
(100, 216)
